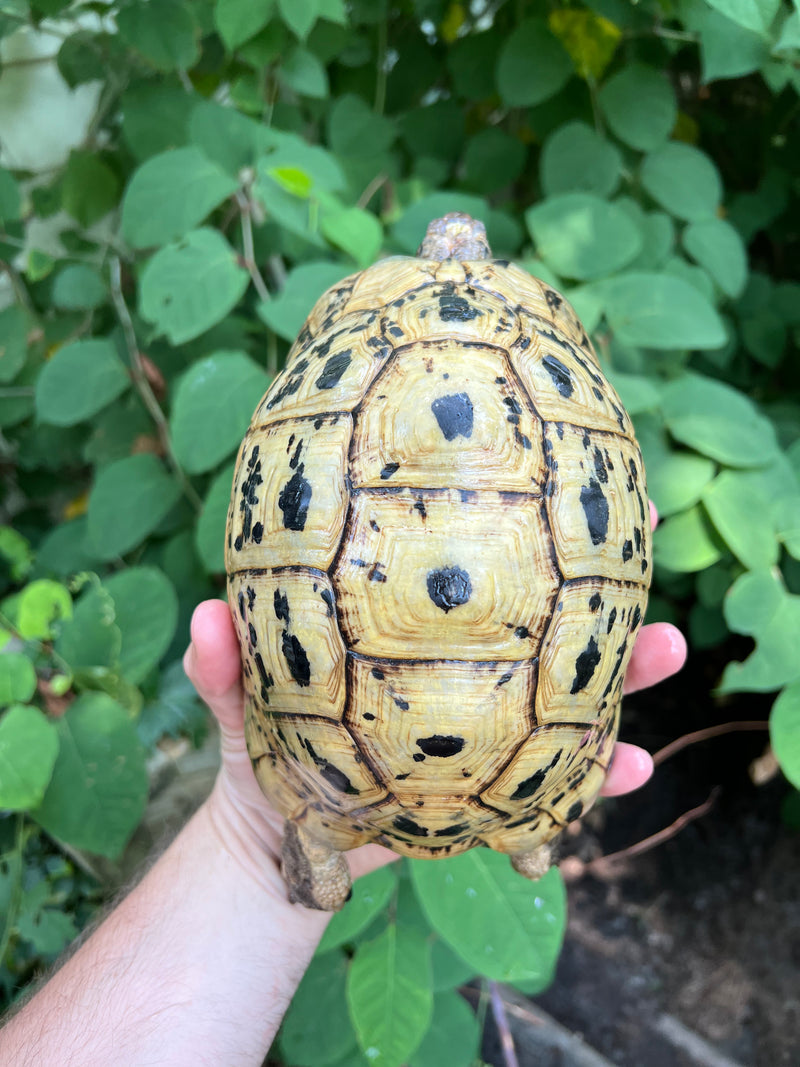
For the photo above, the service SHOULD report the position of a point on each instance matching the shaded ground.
(704, 930)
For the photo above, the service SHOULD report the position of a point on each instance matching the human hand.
(249, 824)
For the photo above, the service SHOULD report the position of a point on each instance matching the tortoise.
(438, 556)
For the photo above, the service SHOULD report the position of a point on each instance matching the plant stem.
(501, 1021)
(248, 248)
(143, 385)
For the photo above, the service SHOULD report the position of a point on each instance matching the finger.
(368, 858)
(213, 665)
(630, 769)
(660, 651)
(653, 515)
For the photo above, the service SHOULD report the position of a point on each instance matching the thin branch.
(703, 735)
(501, 1021)
(573, 868)
(143, 385)
(377, 182)
(248, 249)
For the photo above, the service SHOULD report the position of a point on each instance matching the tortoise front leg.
(317, 875)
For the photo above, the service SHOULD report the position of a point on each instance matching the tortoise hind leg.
(317, 875)
(534, 863)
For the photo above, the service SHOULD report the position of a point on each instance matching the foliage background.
(179, 183)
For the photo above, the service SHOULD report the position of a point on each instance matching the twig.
(573, 868)
(376, 183)
(703, 735)
(143, 385)
(501, 1021)
(248, 249)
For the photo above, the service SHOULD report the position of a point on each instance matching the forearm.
(197, 965)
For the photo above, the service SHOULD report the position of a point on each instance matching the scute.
(438, 556)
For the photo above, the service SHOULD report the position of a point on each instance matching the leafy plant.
(211, 167)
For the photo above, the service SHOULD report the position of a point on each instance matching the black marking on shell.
(531, 785)
(266, 679)
(441, 745)
(554, 301)
(389, 470)
(376, 574)
(418, 757)
(449, 587)
(562, 379)
(522, 632)
(454, 414)
(456, 309)
(600, 466)
(595, 600)
(296, 457)
(595, 508)
(627, 551)
(281, 604)
(451, 831)
(249, 500)
(402, 704)
(585, 666)
(612, 618)
(251, 631)
(294, 500)
(296, 658)
(327, 596)
(334, 369)
(368, 716)
(408, 826)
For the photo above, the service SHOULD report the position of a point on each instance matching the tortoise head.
(455, 236)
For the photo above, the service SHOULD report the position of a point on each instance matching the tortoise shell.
(438, 553)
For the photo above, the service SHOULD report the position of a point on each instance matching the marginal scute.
(394, 541)
(389, 280)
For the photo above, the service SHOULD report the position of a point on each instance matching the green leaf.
(170, 194)
(576, 159)
(507, 927)
(675, 480)
(129, 499)
(10, 201)
(78, 287)
(355, 231)
(370, 896)
(17, 679)
(146, 612)
(28, 750)
(639, 105)
(764, 336)
(784, 732)
(13, 342)
(304, 286)
(683, 180)
(155, 117)
(654, 310)
(167, 37)
(89, 188)
(299, 15)
(532, 65)
(354, 129)
(98, 790)
(239, 20)
(317, 1027)
(717, 247)
(727, 50)
(493, 160)
(210, 529)
(90, 639)
(175, 710)
(40, 604)
(303, 72)
(755, 15)
(188, 287)
(214, 402)
(47, 929)
(737, 506)
(686, 542)
(453, 1037)
(389, 994)
(579, 235)
(80, 380)
(718, 421)
(758, 605)
(436, 130)
(449, 969)
(16, 552)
